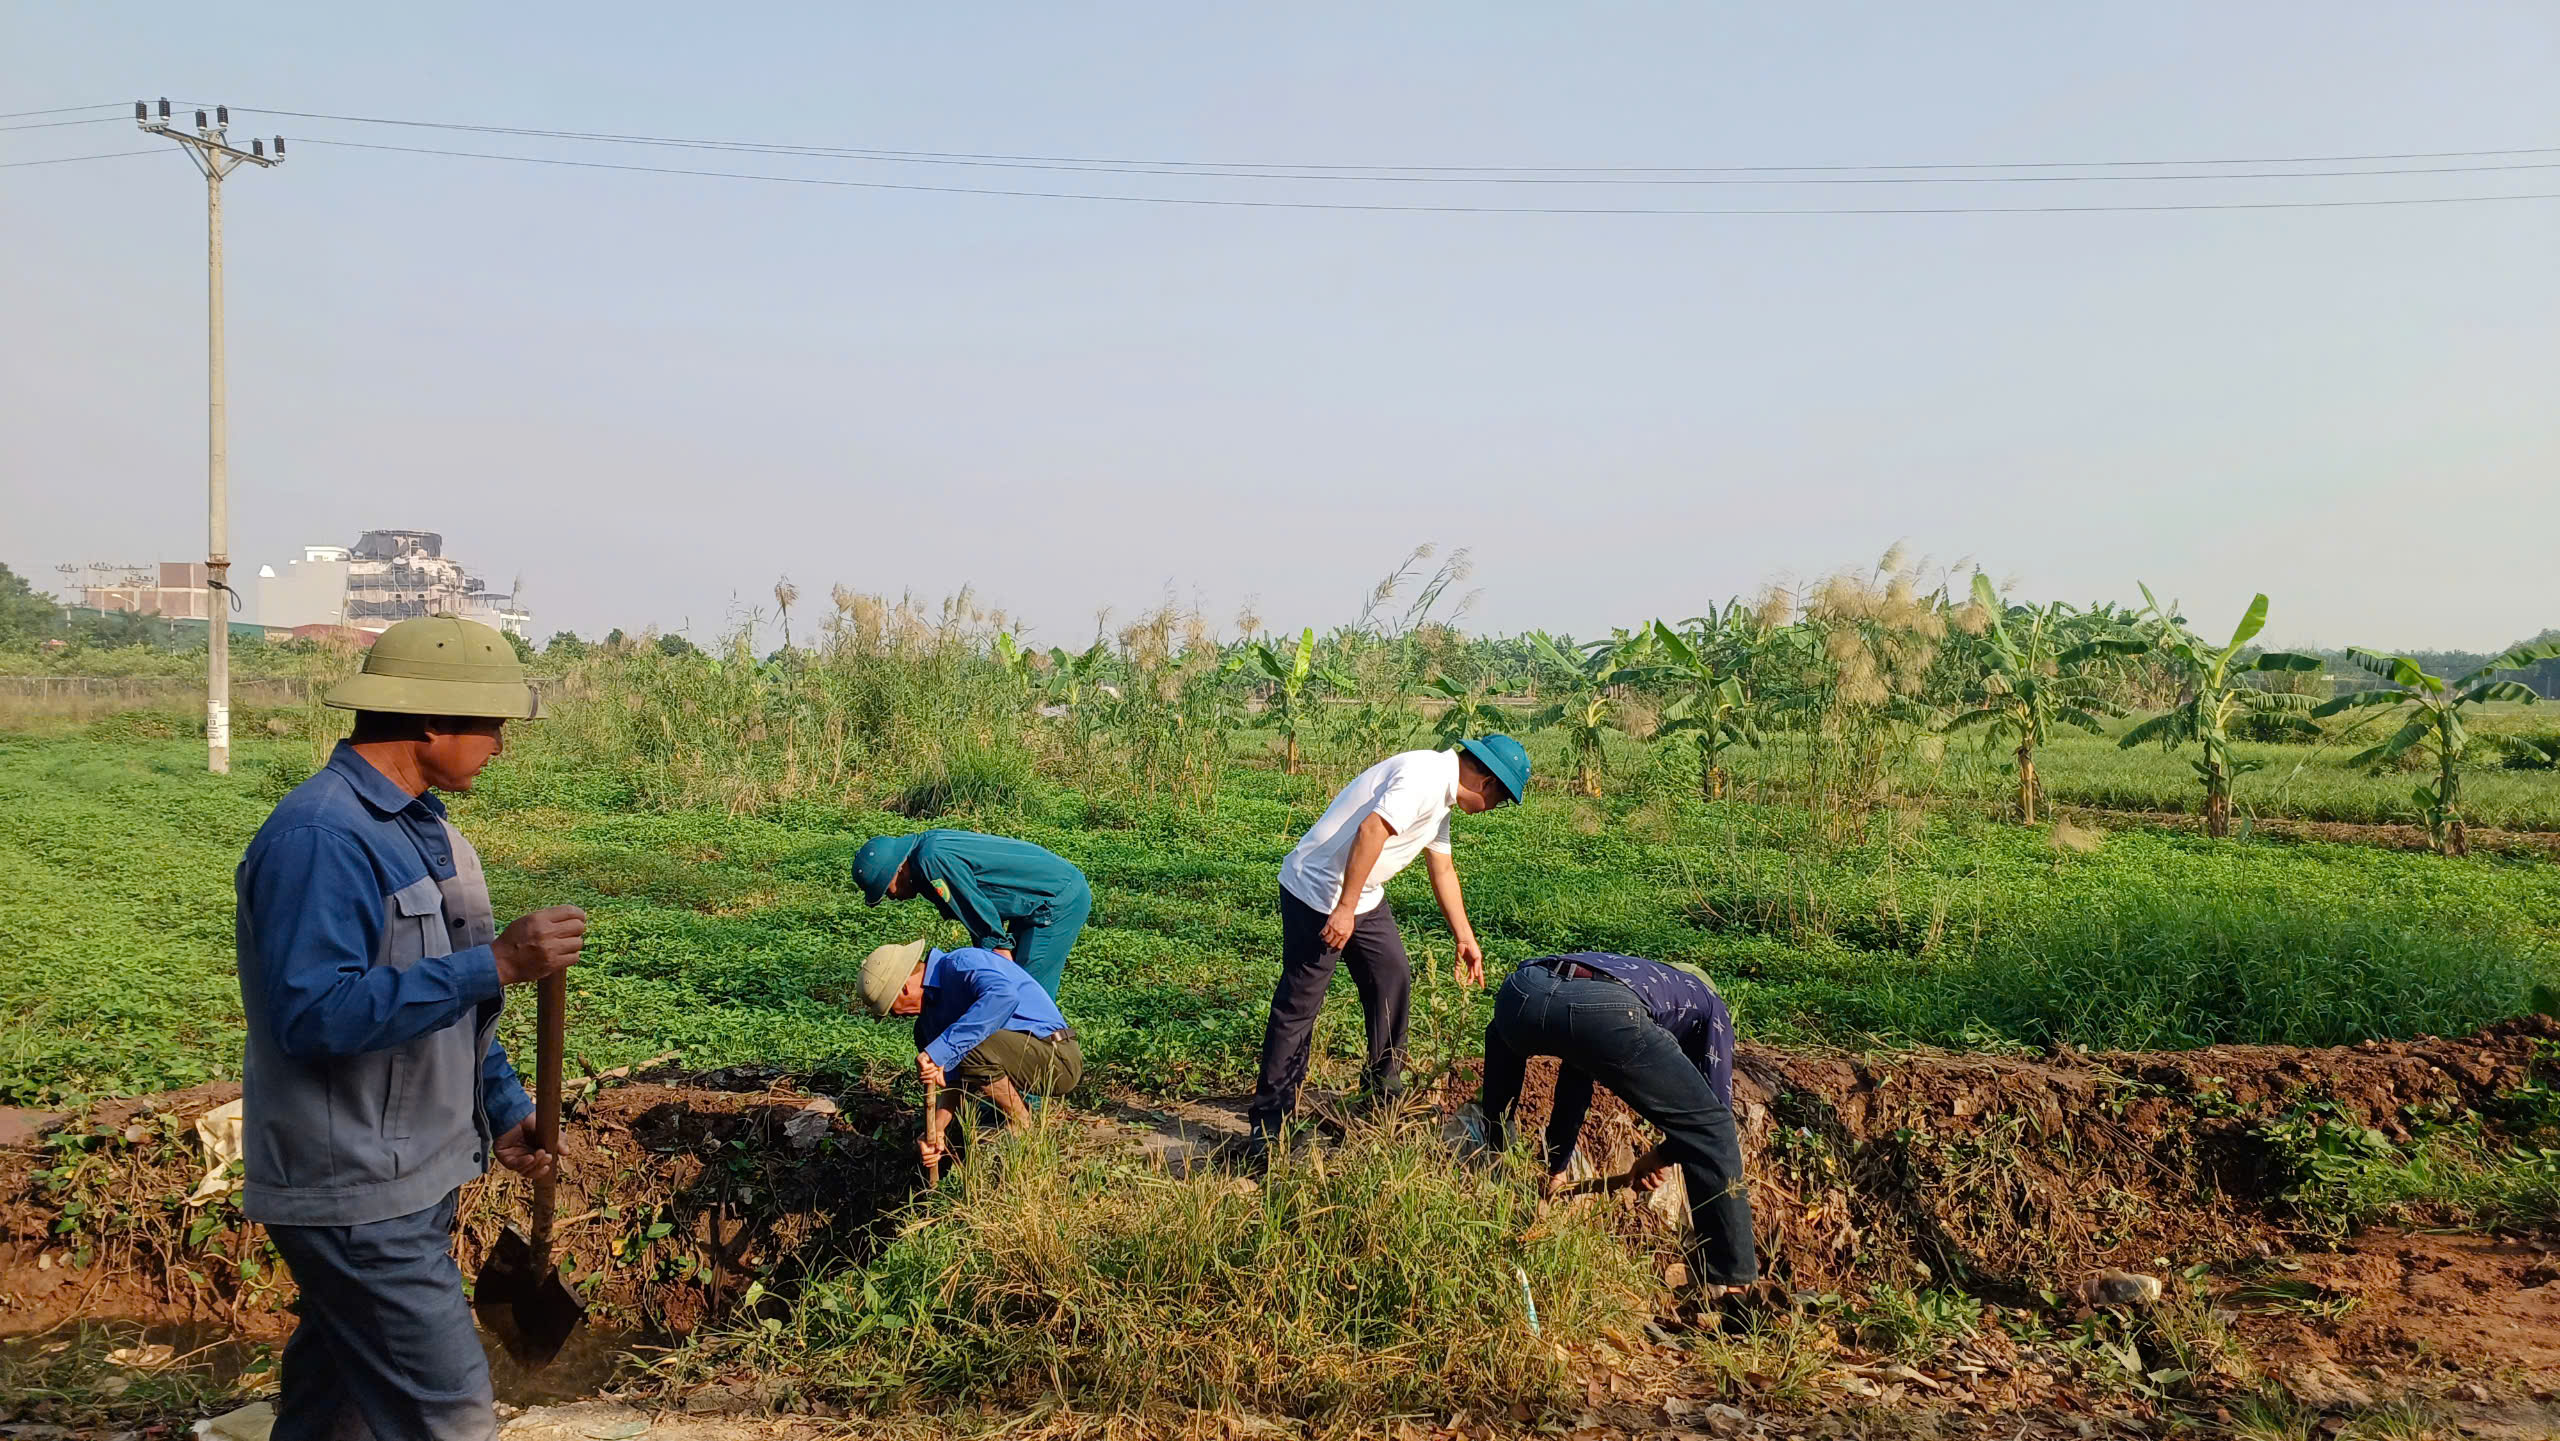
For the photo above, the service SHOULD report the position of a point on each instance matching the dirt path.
(577, 1421)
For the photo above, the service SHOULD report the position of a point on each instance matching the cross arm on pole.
(213, 152)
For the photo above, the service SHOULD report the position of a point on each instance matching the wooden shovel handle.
(932, 1168)
(551, 1022)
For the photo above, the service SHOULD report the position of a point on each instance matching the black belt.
(1577, 971)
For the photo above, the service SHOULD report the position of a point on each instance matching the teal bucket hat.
(1506, 758)
(876, 864)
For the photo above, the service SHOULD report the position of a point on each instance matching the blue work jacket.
(374, 1081)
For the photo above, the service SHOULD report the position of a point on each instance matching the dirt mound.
(2019, 1174)
(2013, 1177)
(675, 1198)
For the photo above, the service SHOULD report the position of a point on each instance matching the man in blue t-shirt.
(983, 1027)
(1661, 1038)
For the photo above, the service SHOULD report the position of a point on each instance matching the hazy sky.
(652, 395)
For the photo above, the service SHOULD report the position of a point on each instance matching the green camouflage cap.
(440, 665)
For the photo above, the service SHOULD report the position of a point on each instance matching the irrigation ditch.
(692, 1199)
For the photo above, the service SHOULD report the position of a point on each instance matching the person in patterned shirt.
(1661, 1038)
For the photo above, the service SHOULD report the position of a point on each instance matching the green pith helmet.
(439, 665)
(1506, 760)
(885, 972)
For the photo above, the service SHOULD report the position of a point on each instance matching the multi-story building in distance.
(386, 577)
(172, 590)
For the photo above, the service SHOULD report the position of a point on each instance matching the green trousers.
(1042, 950)
(1037, 1065)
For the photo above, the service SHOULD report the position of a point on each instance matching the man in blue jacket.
(371, 970)
(983, 1027)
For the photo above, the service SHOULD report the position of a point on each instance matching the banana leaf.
(2168, 727)
(2506, 690)
(2361, 700)
(2519, 658)
(2252, 621)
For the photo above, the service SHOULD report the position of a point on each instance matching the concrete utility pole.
(211, 149)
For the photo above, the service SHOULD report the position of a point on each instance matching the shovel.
(521, 1296)
(932, 1168)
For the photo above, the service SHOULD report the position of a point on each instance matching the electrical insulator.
(164, 107)
(141, 111)
(258, 148)
(222, 115)
(279, 147)
(200, 125)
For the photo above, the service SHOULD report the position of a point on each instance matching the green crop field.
(734, 938)
(1842, 804)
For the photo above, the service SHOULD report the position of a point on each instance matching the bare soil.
(674, 1198)
(2011, 1174)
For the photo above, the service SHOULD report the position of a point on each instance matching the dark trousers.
(1601, 1032)
(385, 1347)
(1381, 971)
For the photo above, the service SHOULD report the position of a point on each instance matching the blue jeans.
(1601, 1032)
(386, 1346)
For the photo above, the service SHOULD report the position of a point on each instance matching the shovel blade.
(525, 1303)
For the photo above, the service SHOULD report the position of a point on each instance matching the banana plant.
(1585, 706)
(2033, 674)
(2437, 725)
(1015, 660)
(1470, 713)
(1289, 674)
(1068, 681)
(2212, 696)
(2525, 753)
(1714, 708)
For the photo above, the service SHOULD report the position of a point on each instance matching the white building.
(386, 577)
(312, 590)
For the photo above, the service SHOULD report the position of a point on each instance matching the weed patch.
(1373, 1279)
(2344, 1175)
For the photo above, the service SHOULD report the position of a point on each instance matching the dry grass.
(1056, 1270)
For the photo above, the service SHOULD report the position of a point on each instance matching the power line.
(1739, 175)
(61, 110)
(1233, 203)
(70, 159)
(58, 124)
(1291, 171)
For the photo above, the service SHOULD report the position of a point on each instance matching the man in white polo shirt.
(1333, 908)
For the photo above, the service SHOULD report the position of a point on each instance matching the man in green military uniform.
(1019, 900)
